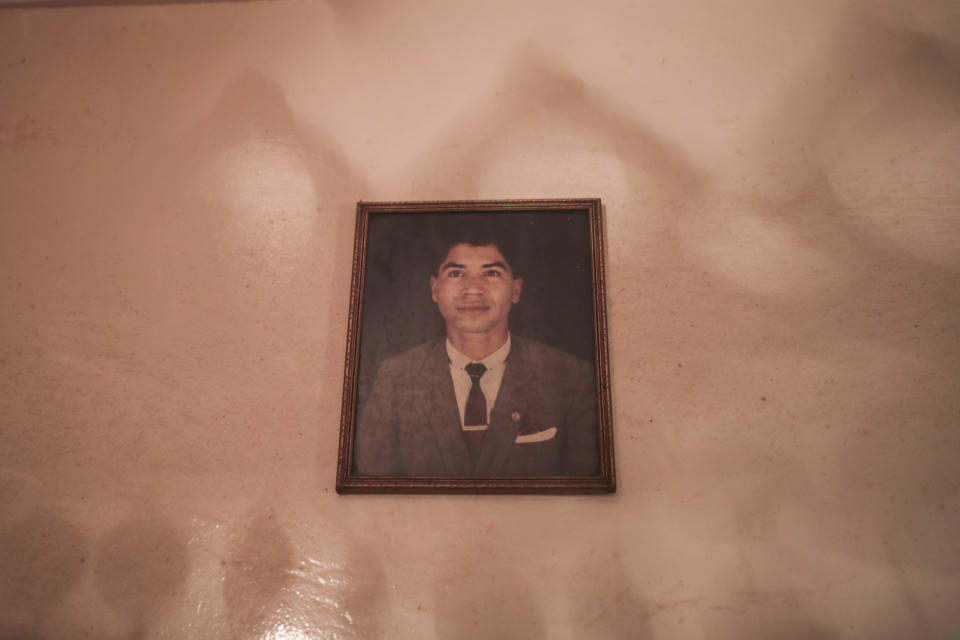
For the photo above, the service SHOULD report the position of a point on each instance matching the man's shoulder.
(415, 355)
(535, 353)
(539, 354)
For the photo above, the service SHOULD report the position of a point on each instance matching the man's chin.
(473, 325)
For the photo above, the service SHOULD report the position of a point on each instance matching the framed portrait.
(476, 358)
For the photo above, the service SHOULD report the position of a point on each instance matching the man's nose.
(475, 282)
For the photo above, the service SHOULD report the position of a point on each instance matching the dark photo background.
(552, 254)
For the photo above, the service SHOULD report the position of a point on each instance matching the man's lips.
(473, 308)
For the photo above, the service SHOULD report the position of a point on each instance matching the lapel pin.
(516, 416)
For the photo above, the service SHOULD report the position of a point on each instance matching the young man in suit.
(479, 402)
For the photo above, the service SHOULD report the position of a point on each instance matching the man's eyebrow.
(453, 265)
(495, 264)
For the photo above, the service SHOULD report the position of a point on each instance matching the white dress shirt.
(490, 381)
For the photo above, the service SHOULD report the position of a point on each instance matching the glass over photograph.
(476, 356)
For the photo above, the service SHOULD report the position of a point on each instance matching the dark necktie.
(475, 413)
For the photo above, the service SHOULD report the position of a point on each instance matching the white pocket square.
(538, 436)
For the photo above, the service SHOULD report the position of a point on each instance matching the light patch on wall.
(285, 632)
(269, 190)
(532, 164)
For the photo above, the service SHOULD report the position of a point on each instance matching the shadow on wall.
(219, 236)
(266, 205)
(872, 157)
(256, 572)
(831, 265)
(228, 240)
(483, 596)
(857, 189)
(535, 91)
(853, 276)
(196, 272)
(797, 213)
(272, 589)
(141, 570)
(892, 158)
(359, 584)
(255, 199)
(835, 267)
(765, 627)
(767, 599)
(352, 15)
(43, 557)
(605, 602)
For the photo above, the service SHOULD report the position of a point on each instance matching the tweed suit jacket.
(544, 422)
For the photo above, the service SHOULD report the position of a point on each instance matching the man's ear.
(517, 288)
(433, 288)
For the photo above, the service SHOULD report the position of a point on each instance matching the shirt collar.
(492, 361)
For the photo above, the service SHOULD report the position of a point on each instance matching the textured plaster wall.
(177, 192)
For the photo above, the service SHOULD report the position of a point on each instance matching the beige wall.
(177, 192)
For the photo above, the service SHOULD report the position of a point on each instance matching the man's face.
(474, 289)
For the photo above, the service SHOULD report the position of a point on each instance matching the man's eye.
(454, 273)
(494, 273)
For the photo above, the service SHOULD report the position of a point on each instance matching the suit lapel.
(512, 398)
(440, 409)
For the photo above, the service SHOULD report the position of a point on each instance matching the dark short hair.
(475, 235)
